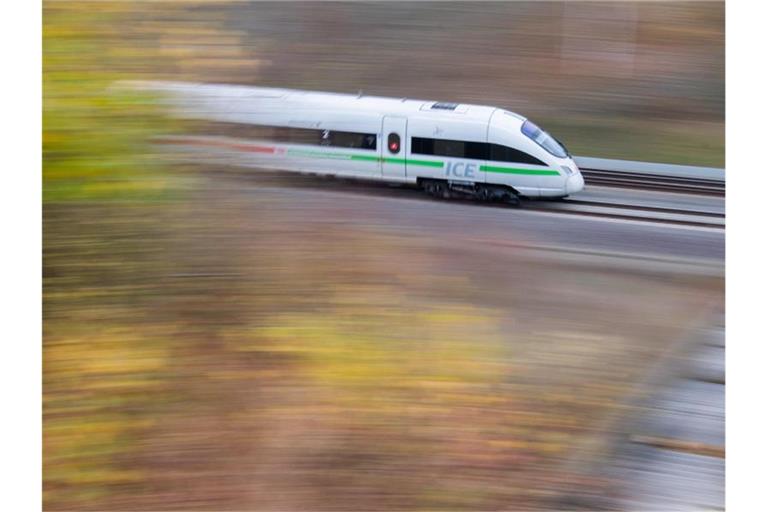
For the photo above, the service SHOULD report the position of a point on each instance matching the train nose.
(575, 183)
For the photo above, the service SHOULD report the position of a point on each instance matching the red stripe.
(252, 148)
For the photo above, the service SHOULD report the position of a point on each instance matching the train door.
(393, 131)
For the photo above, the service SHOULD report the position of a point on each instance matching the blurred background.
(218, 342)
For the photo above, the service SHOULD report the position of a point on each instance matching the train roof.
(327, 100)
(390, 106)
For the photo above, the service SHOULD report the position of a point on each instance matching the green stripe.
(323, 154)
(362, 158)
(365, 158)
(423, 163)
(512, 170)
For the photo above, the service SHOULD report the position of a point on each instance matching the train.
(446, 149)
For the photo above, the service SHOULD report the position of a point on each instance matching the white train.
(445, 148)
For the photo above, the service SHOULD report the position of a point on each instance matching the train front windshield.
(544, 140)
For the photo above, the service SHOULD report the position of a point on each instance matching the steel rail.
(622, 211)
(621, 179)
(627, 213)
(646, 208)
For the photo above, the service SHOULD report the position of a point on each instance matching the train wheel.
(438, 189)
(512, 199)
(484, 193)
(441, 190)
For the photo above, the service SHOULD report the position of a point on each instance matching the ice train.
(445, 148)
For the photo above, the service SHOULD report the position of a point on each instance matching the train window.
(449, 148)
(393, 143)
(284, 134)
(299, 136)
(501, 153)
(476, 150)
(353, 140)
(544, 139)
(454, 148)
(422, 146)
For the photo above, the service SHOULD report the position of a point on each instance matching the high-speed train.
(445, 148)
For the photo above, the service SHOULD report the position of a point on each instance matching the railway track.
(670, 214)
(658, 215)
(657, 182)
(640, 207)
(634, 211)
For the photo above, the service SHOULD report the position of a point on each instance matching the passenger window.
(286, 134)
(422, 146)
(476, 150)
(353, 140)
(393, 143)
(369, 142)
(501, 153)
(454, 148)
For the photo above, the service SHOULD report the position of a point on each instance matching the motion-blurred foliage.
(95, 135)
(196, 357)
(96, 149)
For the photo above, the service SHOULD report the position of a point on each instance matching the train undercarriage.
(444, 189)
